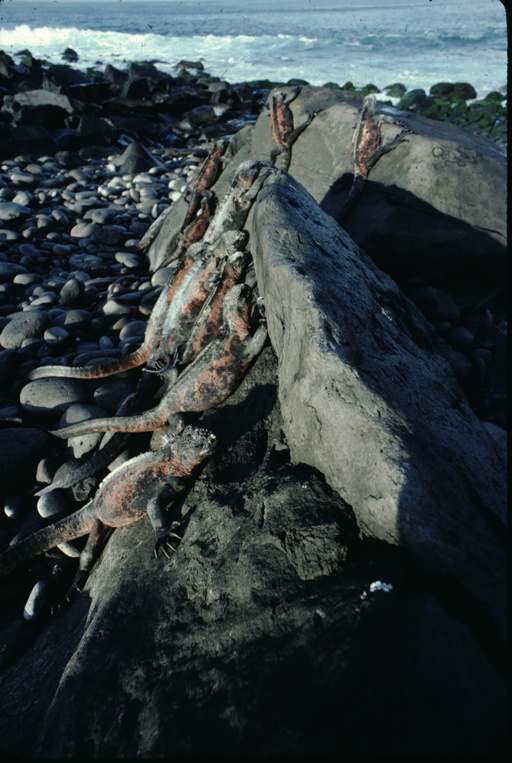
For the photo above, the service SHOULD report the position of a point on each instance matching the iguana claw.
(164, 545)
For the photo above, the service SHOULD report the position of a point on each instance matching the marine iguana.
(206, 176)
(366, 151)
(232, 212)
(281, 126)
(208, 324)
(183, 310)
(193, 232)
(191, 298)
(206, 382)
(143, 484)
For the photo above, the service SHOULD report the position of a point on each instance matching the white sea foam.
(330, 52)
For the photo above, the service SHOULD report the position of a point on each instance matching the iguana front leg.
(281, 126)
(165, 532)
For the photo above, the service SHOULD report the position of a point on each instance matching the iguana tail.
(68, 528)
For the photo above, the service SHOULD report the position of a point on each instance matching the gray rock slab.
(425, 207)
(23, 325)
(367, 400)
(52, 396)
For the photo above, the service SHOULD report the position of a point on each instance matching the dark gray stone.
(436, 305)
(52, 396)
(20, 450)
(111, 235)
(35, 140)
(70, 292)
(136, 158)
(10, 210)
(31, 323)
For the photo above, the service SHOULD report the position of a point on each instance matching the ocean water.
(416, 42)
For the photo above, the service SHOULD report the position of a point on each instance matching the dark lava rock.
(136, 158)
(59, 77)
(34, 140)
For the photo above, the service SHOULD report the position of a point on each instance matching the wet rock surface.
(289, 621)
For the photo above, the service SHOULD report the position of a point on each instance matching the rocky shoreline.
(88, 164)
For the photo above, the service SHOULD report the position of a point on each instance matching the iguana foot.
(76, 588)
(164, 544)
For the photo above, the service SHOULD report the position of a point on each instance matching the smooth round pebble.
(24, 198)
(102, 216)
(48, 298)
(128, 260)
(113, 309)
(55, 335)
(133, 331)
(23, 326)
(70, 292)
(112, 392)
(69, 549)
(52, 504)
(23, 178)
(162, 276)
(460, 336)
(37, 601)
(29, 251)
(9, 210)
(74, 320)
(84, 260)
(83, 230)
(82, 444)
(10, 269)
(52, 396)
(62, 250)
(9, 236)
(45, 470)
(12, 507)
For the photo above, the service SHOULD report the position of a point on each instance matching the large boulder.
(367, 400)
(425, 209)
(274, 631)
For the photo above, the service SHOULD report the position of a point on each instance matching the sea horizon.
(415, 42)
